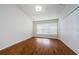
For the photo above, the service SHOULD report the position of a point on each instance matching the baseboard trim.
(15, 43)
(69, 47)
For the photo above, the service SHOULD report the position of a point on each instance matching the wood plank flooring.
(38, 46)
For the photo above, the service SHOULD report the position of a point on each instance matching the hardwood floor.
(38, 46)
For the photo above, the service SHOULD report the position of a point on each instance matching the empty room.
(39, 29)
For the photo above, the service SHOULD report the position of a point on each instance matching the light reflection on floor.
(43, 41)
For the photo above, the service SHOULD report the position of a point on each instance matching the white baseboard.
(15, 43)
(69, 46)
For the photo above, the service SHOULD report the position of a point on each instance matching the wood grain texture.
(38, 46)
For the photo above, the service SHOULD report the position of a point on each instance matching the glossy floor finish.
(38, 46)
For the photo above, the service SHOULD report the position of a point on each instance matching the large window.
(47, 28)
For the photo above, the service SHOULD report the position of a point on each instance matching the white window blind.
(47, 28)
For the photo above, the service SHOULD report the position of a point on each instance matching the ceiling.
(49, 11)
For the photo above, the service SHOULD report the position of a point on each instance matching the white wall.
(69, 27)
(15, 26)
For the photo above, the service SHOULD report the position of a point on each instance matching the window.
(47, 28)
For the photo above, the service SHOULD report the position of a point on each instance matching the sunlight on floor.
(44, 42)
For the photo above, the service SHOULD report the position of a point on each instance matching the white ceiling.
(49, 11)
